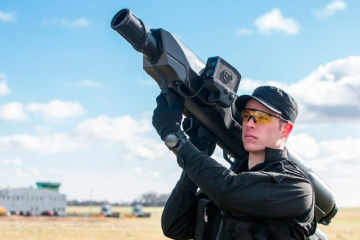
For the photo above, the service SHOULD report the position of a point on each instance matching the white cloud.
(303, 141)
(87, 83)
(7, 17)
(244, 31)
(339, 155)
(104, 128)
(50, 171)
(176, 174)
(47, 144)
(329, 94)
(138, 170)
(336, 162)
(153, 173)
(81, 22)
(21, 173)
(15, 162)
(57, 110)
(43, 129)
(144, 148)
(330, 9)
(273, 21)
(129, 133)
(13, 111)
(4, 89)
(31, 171)
(343, 187)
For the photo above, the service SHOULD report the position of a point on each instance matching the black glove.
(200, 137)
(167, 119)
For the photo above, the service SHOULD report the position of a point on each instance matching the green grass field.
(345, 226)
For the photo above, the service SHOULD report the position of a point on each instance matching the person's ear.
(287, 129)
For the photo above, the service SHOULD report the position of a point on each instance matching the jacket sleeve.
(273, 194)
(179, 215)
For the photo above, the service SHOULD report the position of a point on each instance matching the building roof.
(49, 185)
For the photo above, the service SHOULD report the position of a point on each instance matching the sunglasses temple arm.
(231, 115)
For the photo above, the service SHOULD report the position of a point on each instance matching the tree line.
(149, 199)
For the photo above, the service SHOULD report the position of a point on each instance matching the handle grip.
(169, 97)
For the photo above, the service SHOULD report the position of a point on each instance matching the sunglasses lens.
(246, 115)
(261, 117)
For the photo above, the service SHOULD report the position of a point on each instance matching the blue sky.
(75, 104)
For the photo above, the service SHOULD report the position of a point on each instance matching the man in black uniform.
(264, 196)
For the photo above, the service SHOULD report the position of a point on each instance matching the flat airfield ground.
(345, 226)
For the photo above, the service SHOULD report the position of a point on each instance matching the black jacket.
(275, 196)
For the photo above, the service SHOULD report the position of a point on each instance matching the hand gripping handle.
(169, 97)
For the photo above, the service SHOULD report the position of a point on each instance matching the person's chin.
(250, 147)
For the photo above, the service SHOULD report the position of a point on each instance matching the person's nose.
(251, 123)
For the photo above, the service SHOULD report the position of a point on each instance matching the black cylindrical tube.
(136, 33)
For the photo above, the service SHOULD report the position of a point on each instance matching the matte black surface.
(136, 33)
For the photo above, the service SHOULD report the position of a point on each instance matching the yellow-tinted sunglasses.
(259, 117)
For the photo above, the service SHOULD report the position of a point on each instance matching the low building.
(34, 200)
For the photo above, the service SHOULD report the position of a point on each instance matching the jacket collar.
(271, 155)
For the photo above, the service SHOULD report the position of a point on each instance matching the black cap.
(273, 98)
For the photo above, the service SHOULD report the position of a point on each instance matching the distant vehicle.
(29, 213)
(4, 212)
(47, 213)
(13, 213)
(138, 211)
(106, 210)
